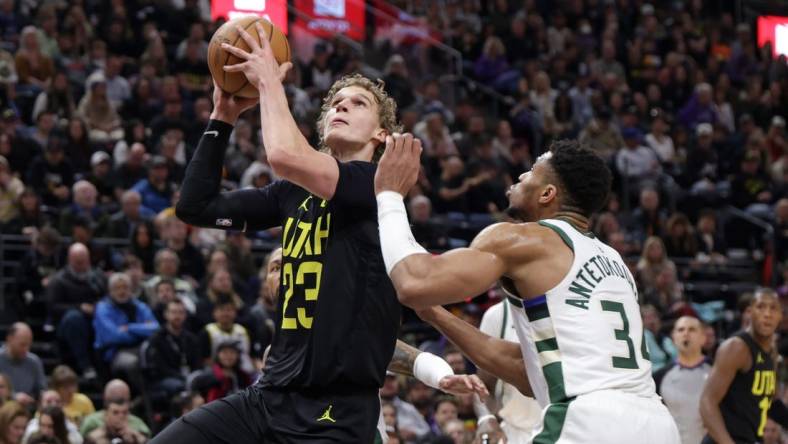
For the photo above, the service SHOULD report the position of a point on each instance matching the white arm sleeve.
(396, 239)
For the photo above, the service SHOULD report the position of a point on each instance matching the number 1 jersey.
(337, 314)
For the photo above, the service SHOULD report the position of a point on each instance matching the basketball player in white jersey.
(581, 351)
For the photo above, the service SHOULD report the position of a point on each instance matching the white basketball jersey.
(586, 333)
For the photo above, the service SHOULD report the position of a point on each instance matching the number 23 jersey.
(337, 313)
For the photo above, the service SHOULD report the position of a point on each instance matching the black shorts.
(261, 415)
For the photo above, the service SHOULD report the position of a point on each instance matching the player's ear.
(549, 193)
(380, 135)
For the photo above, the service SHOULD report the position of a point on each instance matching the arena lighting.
(274, 11)
(774, 29)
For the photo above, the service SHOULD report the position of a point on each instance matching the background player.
(738, 394)
(337, 323)
(577, 311)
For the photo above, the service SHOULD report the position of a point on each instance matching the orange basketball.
(236, 83)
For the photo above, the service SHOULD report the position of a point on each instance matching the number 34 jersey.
(586, 333)
(337, 314)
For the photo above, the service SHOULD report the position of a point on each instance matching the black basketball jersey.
(745, 406)
(338, 314)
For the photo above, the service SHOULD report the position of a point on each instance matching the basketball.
(235, 83)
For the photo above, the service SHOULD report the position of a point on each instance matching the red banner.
(324, 18)
(774, 29)
(275, 11)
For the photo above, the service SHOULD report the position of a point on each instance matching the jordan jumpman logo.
(326, 415)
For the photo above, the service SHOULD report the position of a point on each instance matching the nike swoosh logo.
(213, 133)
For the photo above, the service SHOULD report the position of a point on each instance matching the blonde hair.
(387, 108)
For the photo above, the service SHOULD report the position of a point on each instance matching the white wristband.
(396, 239)
(430, 369)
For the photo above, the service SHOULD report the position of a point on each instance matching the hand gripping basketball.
(260, 66)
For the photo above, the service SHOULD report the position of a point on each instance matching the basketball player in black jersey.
(338, 316)
(738, 395)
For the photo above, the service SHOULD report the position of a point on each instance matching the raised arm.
(498, 357)
(288, 152)
(202, 203)
(731, 357)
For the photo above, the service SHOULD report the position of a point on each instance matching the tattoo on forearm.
(403, 359)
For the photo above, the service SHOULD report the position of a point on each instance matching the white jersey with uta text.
(585, 334)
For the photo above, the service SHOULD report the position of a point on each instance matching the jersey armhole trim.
(505, 319)
(564, 237)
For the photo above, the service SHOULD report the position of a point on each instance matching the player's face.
(273, 272)
(766, 314)
(352, 121)
(688, 335)
(524, 195)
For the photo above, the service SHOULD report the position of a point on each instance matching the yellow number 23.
(290, 280)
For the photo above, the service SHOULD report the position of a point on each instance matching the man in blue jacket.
(122, 323)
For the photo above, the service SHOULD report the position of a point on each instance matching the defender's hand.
(463, 385)
(399, 166)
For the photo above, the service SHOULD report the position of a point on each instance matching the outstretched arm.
(496, 356)
(287, 150)
(433, 371)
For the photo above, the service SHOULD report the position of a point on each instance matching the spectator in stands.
(121, 325)
(228, 370)
(118, 89)
(638, 164)
(712, 246)
(100, 176)
(51, 175)
(73, 293)
(141, 245)
(35, 69)
(173, 352)
(22, 367)
(50, 421)
(75, 405)
(217, 259)
(11, 189)
(652, 261)
(31, 218)
(38, 266)
(680, 383)
(13, 420)
(659, 138)
(44, 128)
(648, 219)
(77, 146)
(700, 108)
(104, 125)
(171, 116)
(660, 347)
(219, 283)
(602, 135)
(224, 327)
(6, 389)
(680, 240)
(781, 230)
(118, 390)
(100, 254)
(428, 231)
(58, 98)
(702, 160)
(411, 424)
(175, 237)
(751, 189)
(132, 170)
(116, 427)
(239, 254)
(445, 411)
(156, 190)
(492, 63)
(122, 224)
(84, 204)
(167, 264)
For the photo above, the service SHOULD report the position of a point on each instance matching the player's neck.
(690, 359)
(765, 342)
(347, 154)
(573, 218)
